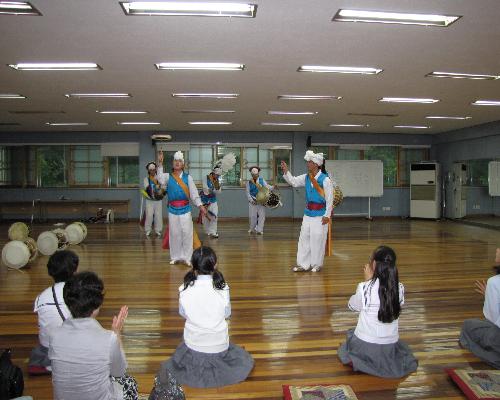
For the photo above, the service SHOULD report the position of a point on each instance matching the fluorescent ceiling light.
(200, 66)
(189, 8)
(306, 97)
(281, 123)
(138, 123)
(394, 18)
(458, 75)
(292, 112)
(210, 123)
(407, 100)
(96, 95)
(208, 111)
(411, 126)
(206, 95)
(446, 117)
(55, 66)
(340, 70)
(67, 123)
(349, 125)
(121, 112)
(11, 96)
(18, 8)
(486, 103)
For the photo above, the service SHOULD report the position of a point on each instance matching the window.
(477, 172)
(123, 171)
(389, 156)
(406, 158)
(200, 161)
(348, 154)
(278, 156)
(4, 166)
(51, 166)
(232, 177)
(87, 168)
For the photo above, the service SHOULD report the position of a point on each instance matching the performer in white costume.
(319, 203)
(153, 203)
(211, 186)
(180, 189)
(257, 212)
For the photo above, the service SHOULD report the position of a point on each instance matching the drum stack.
(22, 249)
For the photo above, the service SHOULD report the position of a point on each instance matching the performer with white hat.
(180, 189)
(154, 193)
(257, 212)
(319, 203)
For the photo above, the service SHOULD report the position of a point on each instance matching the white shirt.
(367, 303)
(48, 316)
(205, 309)
(328, 185)
(249, 196)
(163, 178)
(491, 309)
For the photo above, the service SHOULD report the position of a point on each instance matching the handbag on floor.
(11, 377)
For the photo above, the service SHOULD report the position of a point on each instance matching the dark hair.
(323, 169)
(62, 265)
(83, 293)
(497, 269)
(387, 275)
(204, 261)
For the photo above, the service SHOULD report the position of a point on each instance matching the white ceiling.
(284, 35)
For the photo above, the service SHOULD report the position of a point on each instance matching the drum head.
(74, 233)
(47, 243)
(84, 228)
(18, 231)
(15, 254)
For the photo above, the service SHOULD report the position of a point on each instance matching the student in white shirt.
(206, 358)
(482, 337)
(374, 346)
(51, 309)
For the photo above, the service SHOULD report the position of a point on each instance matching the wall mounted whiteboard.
(494, 178)
(358, 178)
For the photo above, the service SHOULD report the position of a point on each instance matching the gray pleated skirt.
(482, 338)
(393, 360)
(204, 370)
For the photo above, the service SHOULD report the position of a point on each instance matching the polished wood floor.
(292, 324)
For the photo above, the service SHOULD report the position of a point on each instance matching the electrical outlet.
(386, 208)
(476, 207)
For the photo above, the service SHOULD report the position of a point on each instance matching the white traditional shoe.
(259, 233)
(158, 234)
(148, 233)
(316, 269)
(298, 268)
(214, 235)
(250, 231)
(172, 262)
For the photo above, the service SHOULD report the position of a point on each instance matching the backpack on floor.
(11, 377)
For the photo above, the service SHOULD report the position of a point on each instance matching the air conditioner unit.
(425, 193)
(160, 138)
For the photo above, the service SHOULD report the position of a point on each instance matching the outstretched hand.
(160, 157)
(119, 320)
(480, 287)
(284, 167)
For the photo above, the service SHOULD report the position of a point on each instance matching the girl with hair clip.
(206, 358)
(374, 346)
(482, 337)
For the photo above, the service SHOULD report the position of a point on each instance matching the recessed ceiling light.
(394, 18)
(349, 125)
(18, 8)
(446, 117)
(486, 103)
(189, 8)
(407, 100)
(200, 66)
(55, 66)
(210, 123)
(95, 95)
(66, 123)
(138, 123)
(306, 97)
(340, 70)
(281, 123)
(458, 75)
(412, 126)
(120, 112)
(11, 96)
(206, 95)
(208, 111)
(292, 112)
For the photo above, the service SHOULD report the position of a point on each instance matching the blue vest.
(253, 187)
(312, 196)
(208, 198)
(175, 192)
(152, 189)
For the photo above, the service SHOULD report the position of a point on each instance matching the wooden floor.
(292, 324)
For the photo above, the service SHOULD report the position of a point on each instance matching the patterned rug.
(476, 384)
(318, 392)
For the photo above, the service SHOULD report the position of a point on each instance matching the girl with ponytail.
(206, 358)
(374, 346)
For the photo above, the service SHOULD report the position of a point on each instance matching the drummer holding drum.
(256, 210)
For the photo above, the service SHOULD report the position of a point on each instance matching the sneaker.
(172, 262)
(259, 233)
(158, 234)
(250, 231)
(316, 269)
(298, 268)
(214, 235)
(148, 233)
(37, 370)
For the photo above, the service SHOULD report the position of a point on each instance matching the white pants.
(153, 210)
(257, 214)
(180, 236)
(312, 240)
(210, 226)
